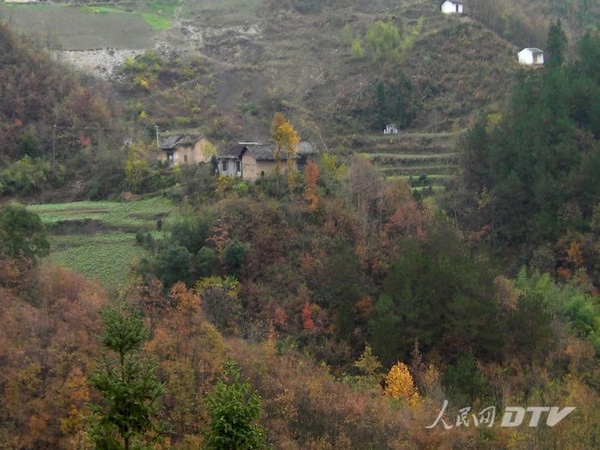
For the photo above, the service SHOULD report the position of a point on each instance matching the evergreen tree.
(233, 408)
(556, 45)
(128, 414)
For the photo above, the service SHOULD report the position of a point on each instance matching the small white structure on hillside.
(390, 129)
(531, 56)
(452, 7)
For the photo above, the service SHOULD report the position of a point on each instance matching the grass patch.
(158, 15)
(108, 261)
(156, 21)
(101, 9)
(107, 251)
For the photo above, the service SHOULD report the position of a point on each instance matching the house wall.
(525, 57)
(162, 156)
(452, 8)
(200, 152)
(230, 169)
(528, 57)
(203, 151)
(252, 169)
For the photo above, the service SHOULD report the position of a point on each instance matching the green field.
(141, 214)
(127, 25)
(97, 239)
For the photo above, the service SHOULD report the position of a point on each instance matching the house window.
(262, 173)
(185, 158)
(238, 166)
(224, 166)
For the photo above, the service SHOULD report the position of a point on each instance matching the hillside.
(266, 56)
(225, 67)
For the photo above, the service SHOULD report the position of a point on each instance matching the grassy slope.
(97, 239)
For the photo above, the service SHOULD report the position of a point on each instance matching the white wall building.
(452, 7)
(531, 56)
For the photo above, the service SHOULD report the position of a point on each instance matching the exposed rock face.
(100, 62)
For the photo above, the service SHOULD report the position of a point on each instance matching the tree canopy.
(22, 233)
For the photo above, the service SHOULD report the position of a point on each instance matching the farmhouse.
(452, 7)
(531, 56)
(252, 160)
(177, 149)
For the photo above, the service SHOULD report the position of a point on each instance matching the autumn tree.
(368, 363)
(287, 140)
(128, 385)
(189, 351)
(311, 195)
(136, 168)
(278, 121)
(400, 385)
(369, 367)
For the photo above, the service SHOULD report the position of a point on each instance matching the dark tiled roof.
(232, 151)
(263, 152)
(170, 142)
(307, 148)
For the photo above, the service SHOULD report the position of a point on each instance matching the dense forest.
(322, 308)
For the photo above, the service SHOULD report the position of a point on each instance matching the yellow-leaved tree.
(136, 169)
(399, 384)
(286, 139)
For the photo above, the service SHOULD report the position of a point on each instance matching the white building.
(390, 129)
(452, 7)
(531, 56)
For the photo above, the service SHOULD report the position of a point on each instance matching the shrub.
(30, 175)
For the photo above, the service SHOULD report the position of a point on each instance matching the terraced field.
(97, 239)
(423, 159)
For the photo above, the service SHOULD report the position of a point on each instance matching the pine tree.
(233, 408)
(129, 386)
(556, 45)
